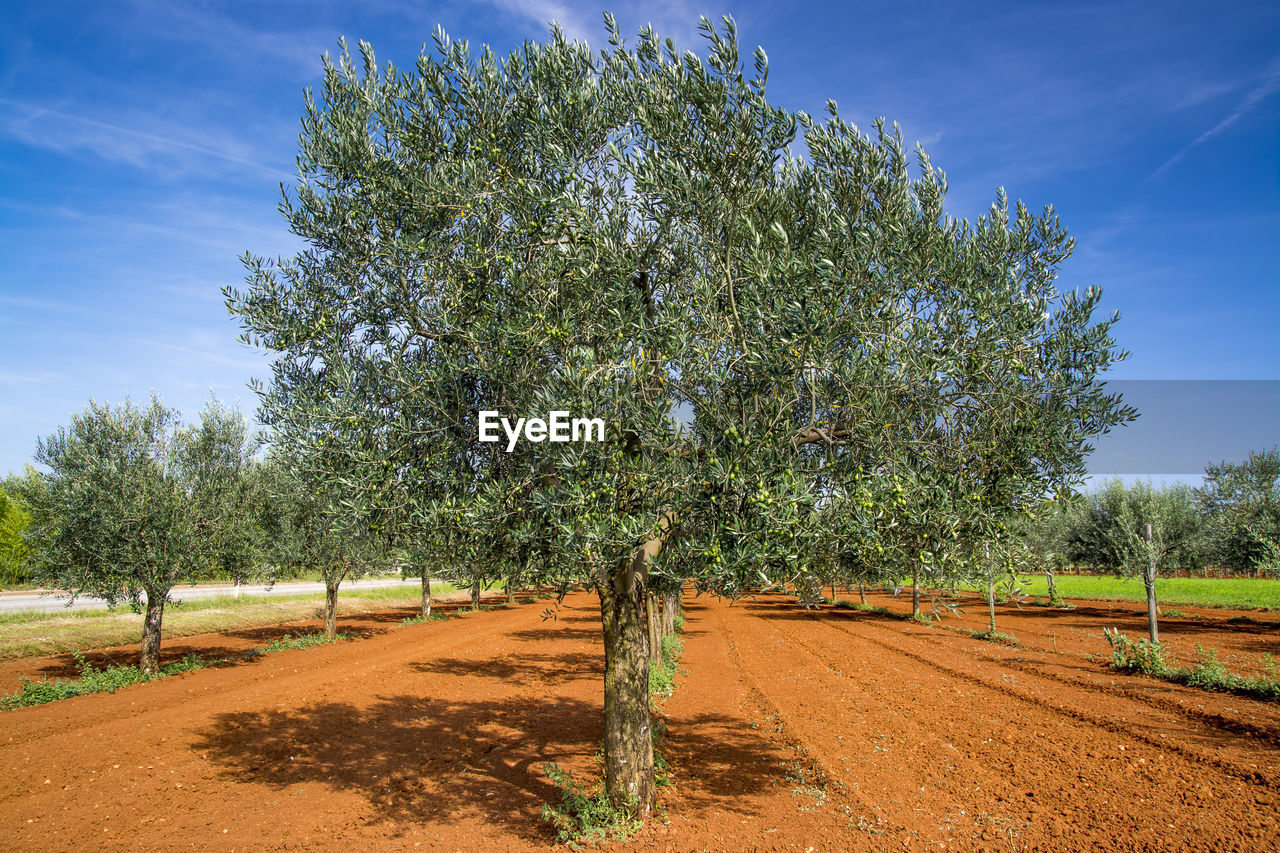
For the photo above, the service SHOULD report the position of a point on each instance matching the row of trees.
(134, 504)
(808, 371)
(805, 366)
(1231, 522)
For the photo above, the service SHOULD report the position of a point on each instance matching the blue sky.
(142, 145)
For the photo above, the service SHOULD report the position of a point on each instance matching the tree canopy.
(785, 349)
(136, 503)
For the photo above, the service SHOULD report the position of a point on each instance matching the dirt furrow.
(1256, 762)
(951, 758)
(787, 731)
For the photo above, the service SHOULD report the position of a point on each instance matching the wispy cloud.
(297, 49)
(574, 24)
(57, 130)
(1269, 85)
(584, 21)
(31, 377)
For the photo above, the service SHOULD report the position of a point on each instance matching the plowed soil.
(788, 730)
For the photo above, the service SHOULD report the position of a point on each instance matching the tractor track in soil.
(788, 730)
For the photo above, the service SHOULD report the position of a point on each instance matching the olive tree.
(1148, 530)
(136, 503)
(627, 235)
(1242, 505)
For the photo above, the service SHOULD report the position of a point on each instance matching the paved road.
(49, 602)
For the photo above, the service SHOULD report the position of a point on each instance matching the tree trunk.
(862, 593)
(670, 604)
(475, 596)
(149, 660)
(1149, 581)
(331, 609)
(1153, 610)
(651, 621)
(1053, 587)
(511, 593)
(628, 741)
(991, 604)
(425, 611)
(915, 590)
(833, 592)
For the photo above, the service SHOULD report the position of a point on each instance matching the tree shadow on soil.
(421, 760)
(529, 668)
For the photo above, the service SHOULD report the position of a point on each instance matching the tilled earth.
(788, 730)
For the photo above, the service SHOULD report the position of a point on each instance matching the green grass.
(585, 817)
(663, 676)
(1232, 593)
(113, 677)
(25, 634)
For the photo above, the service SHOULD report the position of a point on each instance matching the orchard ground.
(789, 729)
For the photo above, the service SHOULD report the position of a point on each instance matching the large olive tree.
(627, 235)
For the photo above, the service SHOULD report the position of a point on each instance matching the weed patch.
(585, 817)
(91, 680)
(995, 637)
(111, 678)
(1207, 674)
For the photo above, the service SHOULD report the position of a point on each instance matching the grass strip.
(27, 634)
(111, 678)
(1229, 593)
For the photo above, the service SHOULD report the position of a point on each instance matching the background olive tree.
(1242, 505)
(14, 553)
(136, 503)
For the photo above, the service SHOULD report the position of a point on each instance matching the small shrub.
(585, 817)
(419, 619)
(995, 637)
(1208, 674)
(302, 641)
(1143, 656)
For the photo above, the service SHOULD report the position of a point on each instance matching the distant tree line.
(1231, 522)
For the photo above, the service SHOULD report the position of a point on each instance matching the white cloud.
(543, 12)
(166, 145)
(1269, 85)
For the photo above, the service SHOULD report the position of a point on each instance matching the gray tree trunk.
(149, 659)
(331, 609)
(991, 604)
(425, 610)
(653, 625)
(670, 604)
(915, 590)
(1149, 581)
(628, 741)
(1153, 608)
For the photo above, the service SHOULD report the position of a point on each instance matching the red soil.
(790, 730)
